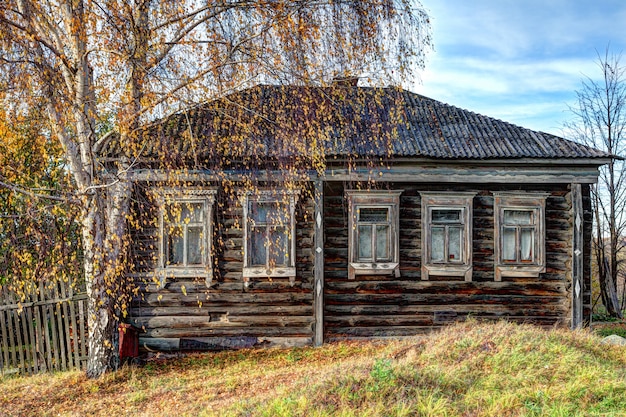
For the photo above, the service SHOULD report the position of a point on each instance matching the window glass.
(437, 246)
(518, 217)
(454, 244)
(269, 235)
(365, 242)
(259, 212)
(382, 242)
(176, 245)
(508, 244)
(446, 216)
(257, 246)
(194, 246)
(279, 247)
(527, 244)
(373, 214)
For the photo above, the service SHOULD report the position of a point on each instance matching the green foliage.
(616, 328)
(603, 316)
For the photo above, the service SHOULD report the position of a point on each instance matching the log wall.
(187, 315)
(387, 306)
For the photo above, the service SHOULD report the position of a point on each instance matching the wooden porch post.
(318, 288)
(577, 256)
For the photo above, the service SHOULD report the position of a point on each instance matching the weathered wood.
(229, 321)
(318, 267)
(220, 343)
(525, 287)
(235, 331)
(276, 306)
(208, 309)
(5, 338)
(497, 309)
(223, 299)
(397, 302)
(577, 257)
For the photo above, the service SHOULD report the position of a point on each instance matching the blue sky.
(519, 60)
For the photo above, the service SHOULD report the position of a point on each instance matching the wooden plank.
(48, 345)
(459, 288)
(75, 352)
(217, 298)
(4, 364)
(184, 322)
(82, 314)
(515, 310)
(236, 331)
(577, 257)
(39, 330)
(318, 266)
(32, 340)
(209, 309)
(18, 345)
(66, 325)
(40, 339)
(54, 337)
(59, 323)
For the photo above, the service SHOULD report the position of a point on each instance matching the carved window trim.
(373, 199)
(287, 198)
(520, 201)
(461, 201)
(169, 196)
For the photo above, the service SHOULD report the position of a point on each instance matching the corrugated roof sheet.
(279, 121)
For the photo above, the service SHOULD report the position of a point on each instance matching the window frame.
(462, 201)
(289, 197)
(168, 196)
(389, 200)
(522, 201)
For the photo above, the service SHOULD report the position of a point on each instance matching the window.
(269, 235)
(447, 234)
(519, 233)
(373, 226)
(185, 224)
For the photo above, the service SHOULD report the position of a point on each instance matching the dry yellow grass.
(469, 369)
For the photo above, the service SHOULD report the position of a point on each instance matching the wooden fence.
(45, 332)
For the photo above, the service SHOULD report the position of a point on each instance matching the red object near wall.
(129, 341)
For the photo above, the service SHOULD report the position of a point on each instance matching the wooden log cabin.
(284, 216)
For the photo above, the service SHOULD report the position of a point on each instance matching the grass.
(610, 327)
(470, 369)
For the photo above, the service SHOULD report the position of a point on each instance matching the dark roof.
(277, 121)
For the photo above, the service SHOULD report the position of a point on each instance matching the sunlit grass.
(469, 369)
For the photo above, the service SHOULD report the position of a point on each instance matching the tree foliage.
(39, 238)
(101, 64)
(601, 122)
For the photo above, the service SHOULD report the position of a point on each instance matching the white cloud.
(520, 61)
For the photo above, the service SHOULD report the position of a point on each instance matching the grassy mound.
(469, 369)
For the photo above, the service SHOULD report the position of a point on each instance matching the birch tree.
(103, 65)
(601, 122)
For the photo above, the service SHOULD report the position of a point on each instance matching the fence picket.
(66, 326)
(44, 331)
(83, 333)
(4, 336)
(32, 343)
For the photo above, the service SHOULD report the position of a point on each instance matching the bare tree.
(601, 122)
(103, 63)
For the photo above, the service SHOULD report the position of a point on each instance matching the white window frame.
(204, 196)
(462, 201)
(288, 197)
(389, 200)
(524, 201)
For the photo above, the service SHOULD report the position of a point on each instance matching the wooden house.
(420, 214)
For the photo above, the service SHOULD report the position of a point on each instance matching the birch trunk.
(104, 228)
